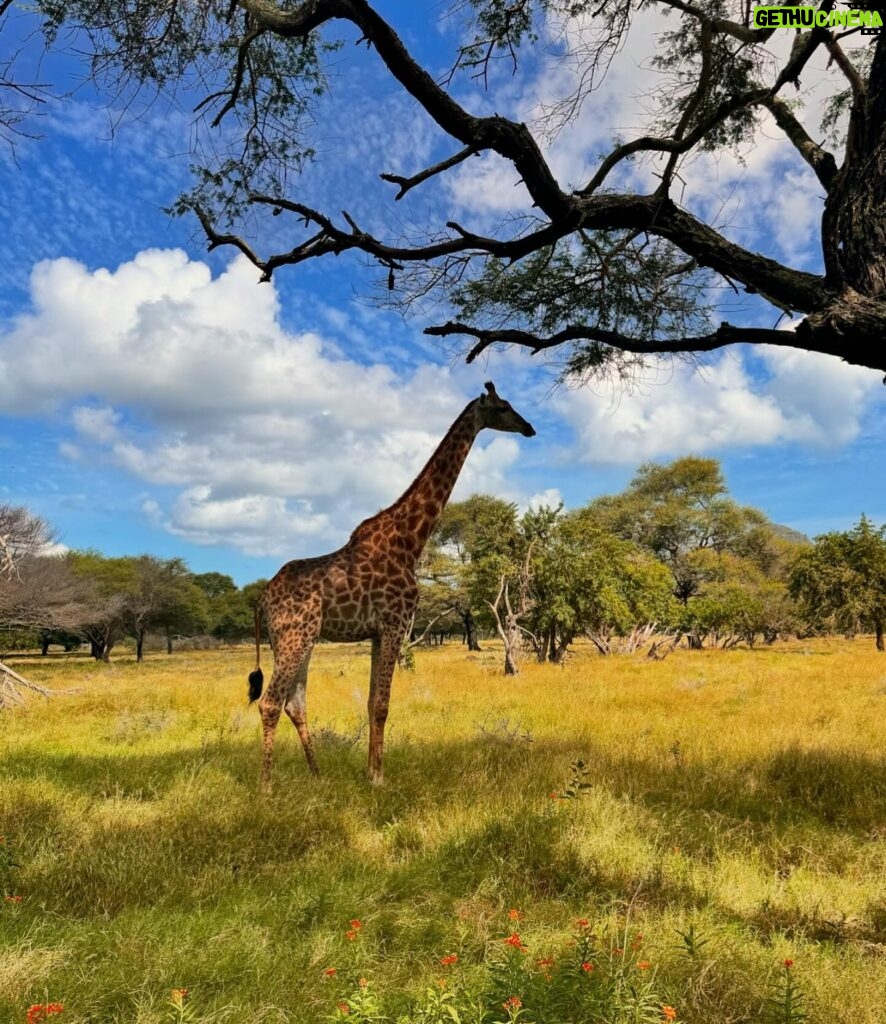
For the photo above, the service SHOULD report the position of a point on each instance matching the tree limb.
(407, 183)
(509, 139)
(726, 334)
(820, 160)
(722, 25)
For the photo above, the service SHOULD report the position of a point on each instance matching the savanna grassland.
(730, 819)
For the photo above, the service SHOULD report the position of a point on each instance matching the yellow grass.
(742, 794)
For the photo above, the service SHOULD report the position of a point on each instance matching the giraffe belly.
(337, 629)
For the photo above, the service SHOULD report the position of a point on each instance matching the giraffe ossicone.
(365, 590)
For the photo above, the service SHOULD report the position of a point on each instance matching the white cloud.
(807, 398)
(270, 441)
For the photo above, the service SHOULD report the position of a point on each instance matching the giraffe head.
(497, 414)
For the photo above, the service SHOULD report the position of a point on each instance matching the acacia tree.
(611, 274)
(841, 580)
(469, 533)
(31, 590)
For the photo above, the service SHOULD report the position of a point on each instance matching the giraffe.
(364, 590)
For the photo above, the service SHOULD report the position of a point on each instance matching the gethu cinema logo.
(812, 17)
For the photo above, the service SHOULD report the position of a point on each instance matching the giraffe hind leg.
(283, 682)
(296, 708)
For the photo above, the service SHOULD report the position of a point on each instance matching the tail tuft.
(256, 681)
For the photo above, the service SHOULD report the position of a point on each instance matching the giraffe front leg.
(384, 660)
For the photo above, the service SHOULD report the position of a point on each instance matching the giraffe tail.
(256, 677)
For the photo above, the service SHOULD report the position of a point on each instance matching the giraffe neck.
(414, 516)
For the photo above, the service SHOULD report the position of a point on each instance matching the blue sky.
(155, 398)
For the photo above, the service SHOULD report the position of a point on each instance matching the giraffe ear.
(490, 387)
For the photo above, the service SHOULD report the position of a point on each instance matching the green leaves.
(616, 281)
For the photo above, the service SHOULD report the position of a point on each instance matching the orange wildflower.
(513, 1003)
(351, 934)
(363, 983)
(40, 1011)
(514, 940)
(643, 965)
(331, 972)
(448, 961)
(668, 1013)
(587, 967)
(637, 941)
(13, 899)
(356, 925)
(344, 1008)
(788, 963)
(515, 915)
(582, 922)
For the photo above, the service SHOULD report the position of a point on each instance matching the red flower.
(643, 965)
(13, 899)
(351, 935)
(514, 940)
(344, 1008)
(40, 1011)
(547, 961)
(356, 925)
(513, 1003)
(788, 963)
(515, 915)
(637, 941)
(582, 922)
(448, 961)
(587, 967)
(668, 1013)
(330, 972)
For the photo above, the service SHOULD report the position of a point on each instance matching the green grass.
(733, 813)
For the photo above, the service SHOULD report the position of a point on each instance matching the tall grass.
(730, 809)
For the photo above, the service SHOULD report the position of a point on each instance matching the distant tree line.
(83, 597)
(672, 559)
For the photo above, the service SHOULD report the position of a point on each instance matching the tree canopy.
(841, 581)
(604, 271)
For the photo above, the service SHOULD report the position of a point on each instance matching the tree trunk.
(44, 646)
(470, 631)
(513, 645)
(106, 651)
(168, 640)
(559, 649)
(879, 626)
(546, 646)
(139, 645)
(854, 222)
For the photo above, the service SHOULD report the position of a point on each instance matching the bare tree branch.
(444, 165)
(820, 160)
(726, 334)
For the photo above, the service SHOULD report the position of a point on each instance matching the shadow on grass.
(793, 786)
(110, 833)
